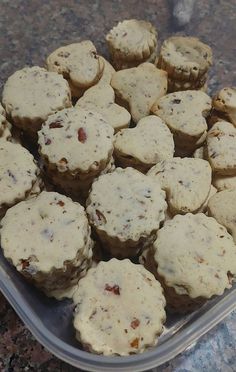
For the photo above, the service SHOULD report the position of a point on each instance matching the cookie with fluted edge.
(18, 174)
(194, 258)
(185, 58)
(221, 148)
(187, 183)
(30, 95)
(87, 147)
(222, 206)
(139, 88)
(185, 113)
(79, 63)
(213, 191)
(125, 208)
(132, 40)
(145, 145)
(224, 103)
(61, 240)
(119, 309)
(101, 98)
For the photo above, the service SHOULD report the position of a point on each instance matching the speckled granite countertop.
(29, 30)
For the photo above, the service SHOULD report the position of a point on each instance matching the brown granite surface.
(29, 30)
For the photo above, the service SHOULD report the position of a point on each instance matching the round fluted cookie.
(87, 146)
(132, 40)
(61, 239)
(143, 146)
(18, 174)
(178, 85)
(221, 148)
(187, 182)
(222, 206)
(224, 182)
(30, 95)
(224, 103)
(184, 113)
(213, 191)
(120, 309)
(125, 208)
(185, 58)
(138, 88)
(194, 257)
(78, 62)
(101, 98)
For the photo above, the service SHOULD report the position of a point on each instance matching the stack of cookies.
(61, 250)
(132, 42)
(186, 60)
(135, 148)
(75, 145)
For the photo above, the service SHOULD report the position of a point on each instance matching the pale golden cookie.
(78, 62)
(119, 309)
(145, 145)
(187, 183)
(222, 206)
(101, 98)
(61, 242)
(30, 95)
(225, 104)
(221, 148)
(139, 87)
(194, 258)
(132, 40)
(125, 208)
(184, 113)
(224, 182)
(185, 58)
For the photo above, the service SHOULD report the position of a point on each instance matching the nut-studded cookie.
(185, 58)
(222, 206)
(61, 244)
(78, 63)
(101, 98)
(221, 148)
(87, 148)
(30, 95)
(224, 104)
(120, 309)
(213, 191)
(187, 183)
(184, 113)
(194, 258)
(143, 146)
(131, 42)
(138, 88)
(125, 208)
(18, 174)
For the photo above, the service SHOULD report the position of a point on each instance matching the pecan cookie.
(119, 309)
(30, 95)
(125, 208)
(224, 104)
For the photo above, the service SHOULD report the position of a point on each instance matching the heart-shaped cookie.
(78, 63)
(187, 183)
(101, 98)
(143, 146)
(184, 113)
(139, 87)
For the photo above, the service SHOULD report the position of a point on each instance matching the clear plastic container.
(50, 322)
